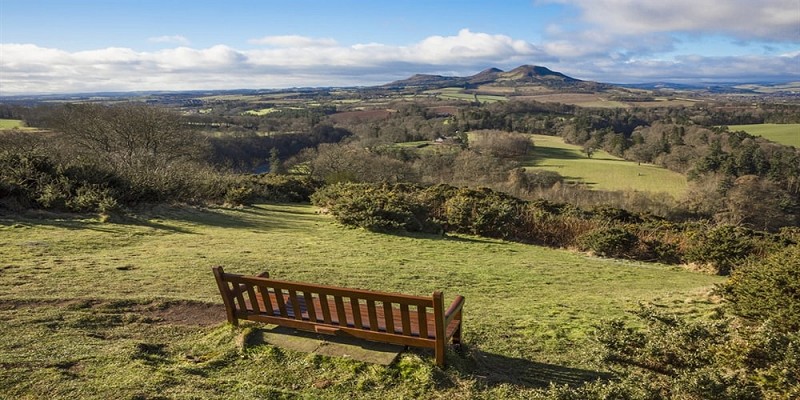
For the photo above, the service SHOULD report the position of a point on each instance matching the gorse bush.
(723, 247)
(749, 350)
(377, 208)
(484, 212)
(37, 181)
(31, 180)
(604, 231)
(616, 242)
(768, 289)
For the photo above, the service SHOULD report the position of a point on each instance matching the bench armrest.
(454, 311)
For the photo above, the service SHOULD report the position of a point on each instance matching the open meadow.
(12, 124)
(129, 309)
(787, 134)
(602, 171)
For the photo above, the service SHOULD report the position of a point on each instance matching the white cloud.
(174, 39)
(294, 41)
(777, 20)
(299, 61)
(690, 68)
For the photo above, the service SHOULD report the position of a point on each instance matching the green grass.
(458, 94)
(92, 309)
(603, 171)
(12, 124)
(787, 134)
(261, 112)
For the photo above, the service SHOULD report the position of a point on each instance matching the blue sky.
(93, 45)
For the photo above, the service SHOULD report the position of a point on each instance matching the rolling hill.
(520, 76)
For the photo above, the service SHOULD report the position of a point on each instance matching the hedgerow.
(604, 231)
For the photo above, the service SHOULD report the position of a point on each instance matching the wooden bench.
(371, 315)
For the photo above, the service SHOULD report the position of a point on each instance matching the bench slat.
(422, 321)
(340, 314)
(240, 298)
(281, 303)
(310, 306)
(265, 299)
(388, 318)
(355, 305)
(251, 294)
(295, 303)
(373, 317)
(326, 311)
(405, 319)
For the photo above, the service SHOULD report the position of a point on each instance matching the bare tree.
(131, 136)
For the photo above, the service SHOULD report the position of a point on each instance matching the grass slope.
(788, 134)
(11, 124)
(603, 171)
(131, 310)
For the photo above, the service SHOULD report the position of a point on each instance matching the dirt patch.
(186, 313)
(189, 313)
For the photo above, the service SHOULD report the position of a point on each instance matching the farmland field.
(603, 171)
(11, 124)
(788, 134)
(458, 94)
(129, 309)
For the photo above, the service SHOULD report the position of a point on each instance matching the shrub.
(237, 195)
(95, 198)
(376, 208)
(768, 290)
(484, 212)
(285, 188)
(722, 247)
(613, 214)
(610, 242)
(542, 179)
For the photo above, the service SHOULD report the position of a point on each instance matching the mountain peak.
(535, 72)
(522, 75)
(491, 70)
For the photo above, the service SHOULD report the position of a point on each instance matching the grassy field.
(11, 124)
(603, 171)
(788, 134)
(458, 94)
(130, 309)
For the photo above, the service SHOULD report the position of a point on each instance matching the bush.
(485, 212)
(285, 188)
(95, 198)
(542, 179)
(768, 290)
(376, 208)
(610, 242)
(722, 247)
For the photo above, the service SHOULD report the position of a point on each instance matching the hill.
(140, 314)
(603, 171)
(520, 76)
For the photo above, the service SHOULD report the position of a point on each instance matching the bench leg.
(457, 336)
(440, 353)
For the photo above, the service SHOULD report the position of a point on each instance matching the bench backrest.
(375, 311)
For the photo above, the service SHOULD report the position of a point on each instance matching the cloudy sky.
(58, 46)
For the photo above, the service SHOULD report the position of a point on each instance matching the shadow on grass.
(555, 153)
(158, 217)
(442, 237)
(496, 369)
